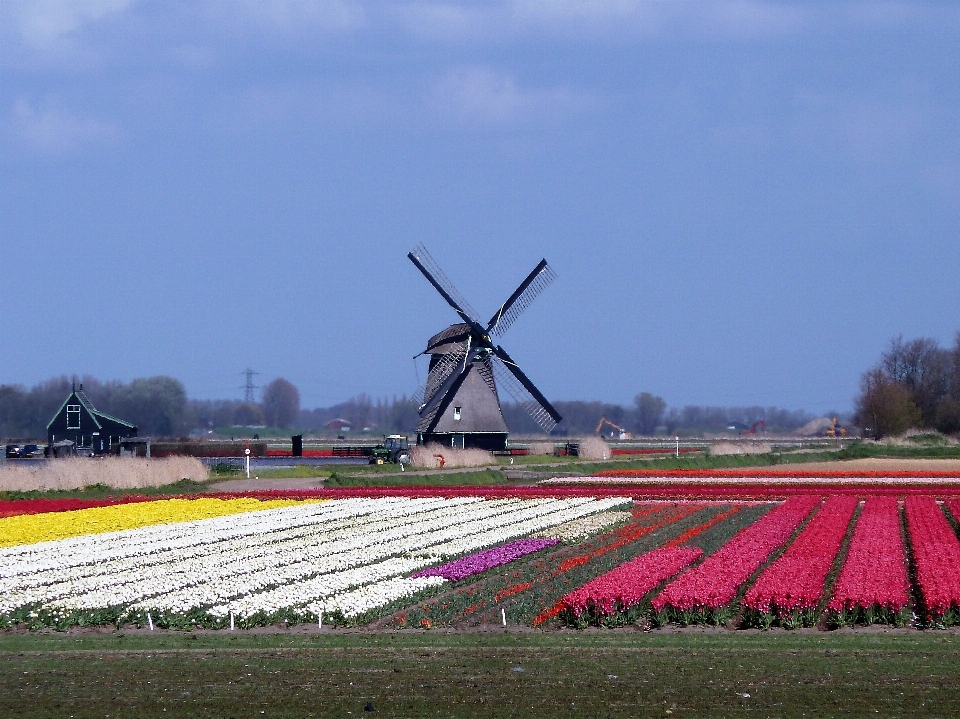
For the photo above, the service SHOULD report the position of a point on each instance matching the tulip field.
(544, 556)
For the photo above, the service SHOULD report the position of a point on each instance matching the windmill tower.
(460, 405)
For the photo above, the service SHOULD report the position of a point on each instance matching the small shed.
(91, 431)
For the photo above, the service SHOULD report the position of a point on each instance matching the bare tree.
(884, 407)
(281, 403)
(650, 410)
(922, 368)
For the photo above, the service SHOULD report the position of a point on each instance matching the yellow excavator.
(621, 432)
(835, 430)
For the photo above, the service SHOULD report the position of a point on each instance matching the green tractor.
(395, 449)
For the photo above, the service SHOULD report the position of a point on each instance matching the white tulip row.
(435, 547)
(73, 566)
(584, 526)
(344, 555)
(372, 596)
(31, 558)
(188, 568)
(293, 563)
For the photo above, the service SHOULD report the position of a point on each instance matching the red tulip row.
(873, 581)
(936, 556)
(665, 491)
(625, 586)
(797, 472)
(14, 507)
(714, 583)
(796, 580)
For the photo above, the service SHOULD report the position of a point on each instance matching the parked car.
(14, 451)
(32, 451)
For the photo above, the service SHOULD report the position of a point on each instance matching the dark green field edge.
(492, 674)
(102, 491)
(852, 450)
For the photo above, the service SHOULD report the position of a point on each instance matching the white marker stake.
(503, 616)
(320, 621)
(678, 446)
(231, 621)
(150, 621)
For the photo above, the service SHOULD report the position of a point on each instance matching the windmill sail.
(535, 283)
(460, 403)
(538, 408)
(431, 270)
(441, 368)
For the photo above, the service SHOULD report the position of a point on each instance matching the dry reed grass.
(424, 457)
(116, 472)
(721, 448)
(906, 439)
(594, 448)
(539, 448)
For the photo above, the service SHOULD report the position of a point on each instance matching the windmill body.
(460, 404)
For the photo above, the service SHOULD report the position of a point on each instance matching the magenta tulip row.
(487, 559)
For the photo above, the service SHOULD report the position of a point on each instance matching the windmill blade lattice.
(535, 283)
(440, 372)
(506, 381)
(424, 257)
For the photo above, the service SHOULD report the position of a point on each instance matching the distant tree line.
(160, 408)
(650, 414)
(647, 415)
(915, 384)
(157, 405)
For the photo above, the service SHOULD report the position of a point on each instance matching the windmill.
(460, 404)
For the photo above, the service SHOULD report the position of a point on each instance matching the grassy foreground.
(578, 674)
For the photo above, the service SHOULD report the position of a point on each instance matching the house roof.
(81, 398)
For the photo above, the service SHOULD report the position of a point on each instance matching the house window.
(73, 416)
(456, 413)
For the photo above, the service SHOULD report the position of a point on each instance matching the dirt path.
(873, 464)
(883, 464)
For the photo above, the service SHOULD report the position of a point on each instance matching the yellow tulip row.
(31, 528)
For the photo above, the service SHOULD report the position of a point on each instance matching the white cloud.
(479, 96)
(286, 16)
(50, 130)
(631, 20)
(598, 19)
(43, 24)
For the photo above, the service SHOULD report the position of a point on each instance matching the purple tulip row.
(487, 559)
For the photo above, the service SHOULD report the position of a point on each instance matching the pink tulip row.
(875, 573)
(715, 582)
(628, 584)
(936, 555)
(796, 580)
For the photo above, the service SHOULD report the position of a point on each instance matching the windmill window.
(73, 416)
(456, 413)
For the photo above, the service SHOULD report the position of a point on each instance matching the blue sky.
(744, 201)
